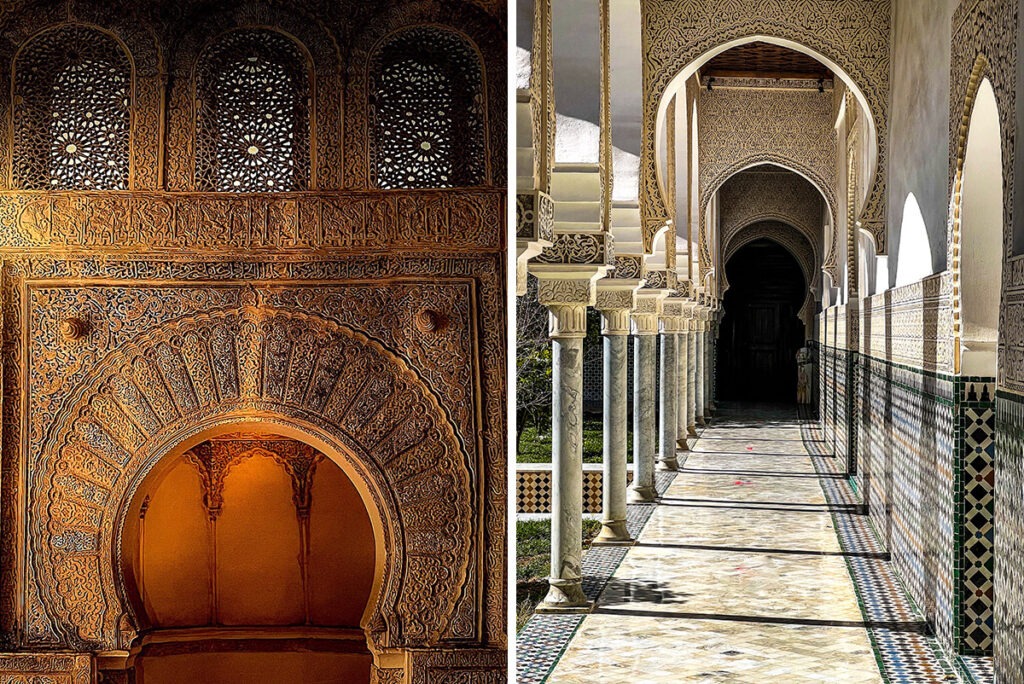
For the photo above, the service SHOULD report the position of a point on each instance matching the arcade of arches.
(799, 224)
(253, 284)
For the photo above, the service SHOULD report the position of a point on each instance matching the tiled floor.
(743, 574)
(738, 576)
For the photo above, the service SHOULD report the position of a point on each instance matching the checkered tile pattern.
(977, 510)
(533, 490)
(1009, 574)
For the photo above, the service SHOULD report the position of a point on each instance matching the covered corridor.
(756, 564)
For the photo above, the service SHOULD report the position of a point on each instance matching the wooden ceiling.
(764, 60)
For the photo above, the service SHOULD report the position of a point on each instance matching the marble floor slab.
(738, 577)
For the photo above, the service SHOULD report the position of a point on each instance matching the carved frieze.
(628, 266)
(535, 216)
(578, 248)
(216, 222)
(46, 668)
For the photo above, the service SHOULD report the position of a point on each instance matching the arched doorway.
(761, 331)
(249, 557)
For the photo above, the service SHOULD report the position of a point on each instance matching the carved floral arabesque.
(212, 221)
(853, 34)
(144, 396)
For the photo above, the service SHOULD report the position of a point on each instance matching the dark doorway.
(761, 333)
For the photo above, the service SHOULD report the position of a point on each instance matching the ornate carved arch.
(479, 30)
(980, 70)
(796, 165)
(139, 42)
(790, 238)
(329, 385)
(312, 38)
(854, 36)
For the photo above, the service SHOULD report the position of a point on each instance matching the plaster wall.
(919, 121)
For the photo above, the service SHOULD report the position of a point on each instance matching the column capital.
(616, 300)
(647, 311)
(671, 315)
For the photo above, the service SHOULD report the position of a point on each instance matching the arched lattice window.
(252, 118)
(72, 112)
(427, 112)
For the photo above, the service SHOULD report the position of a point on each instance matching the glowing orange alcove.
(249, 558)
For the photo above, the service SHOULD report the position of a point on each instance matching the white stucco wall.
(919, 122)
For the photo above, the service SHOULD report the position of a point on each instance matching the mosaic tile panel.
(1009, 541)
(905, 439)
(906, 650)
(976, 494)
(533, 490)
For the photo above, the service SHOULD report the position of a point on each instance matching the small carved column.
(667, 395)
(615, 307)
(682, 383)
(700, 370)
(645, 328)
(710, 346)
(567, 302)
(691, 375)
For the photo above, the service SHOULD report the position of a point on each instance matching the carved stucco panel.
(168, 382)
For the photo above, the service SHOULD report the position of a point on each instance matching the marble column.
(615, 331)
(682, 401)
(645, 329)
(566, 291)
(568, 328)
(709, 372)
(667, 395)
(699, 373)
(691, 378)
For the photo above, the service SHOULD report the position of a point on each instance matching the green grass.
(533, 562)
(536, 448)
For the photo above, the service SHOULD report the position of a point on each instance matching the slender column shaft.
(667, 403)
(566, 588)
(709, 371)
(642, 488)
(682, 401)
(699, 372)
(691, 382)
(613, 519)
